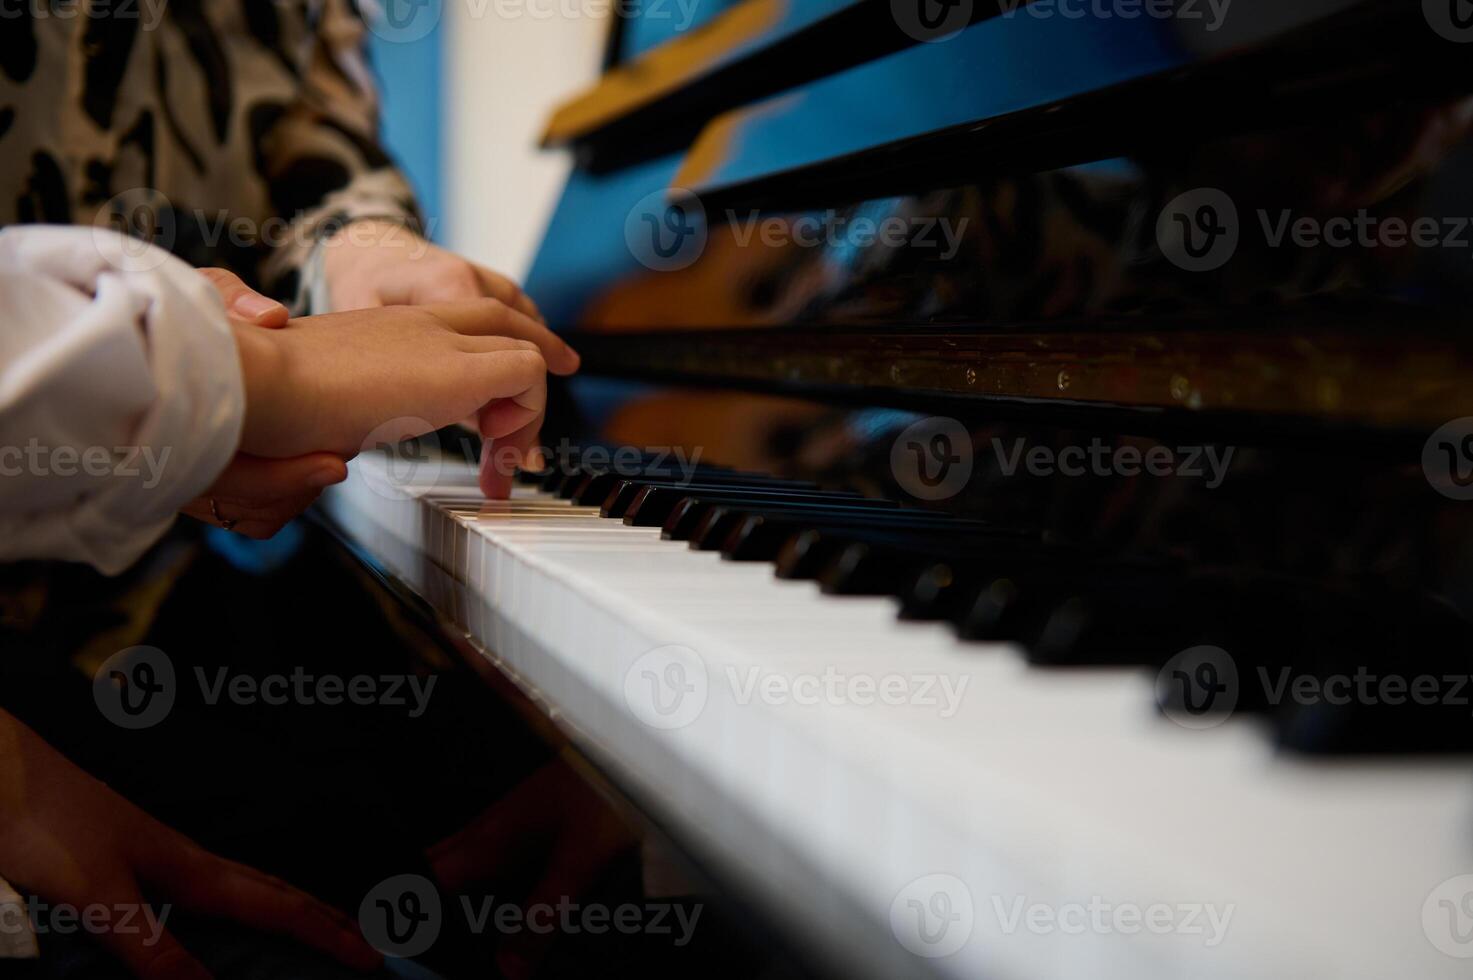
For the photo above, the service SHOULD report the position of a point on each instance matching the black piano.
(1014, 516)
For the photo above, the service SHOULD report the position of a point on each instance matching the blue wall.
(411, 85)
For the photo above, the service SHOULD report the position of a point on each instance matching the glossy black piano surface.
(935, 204)
(825, 241)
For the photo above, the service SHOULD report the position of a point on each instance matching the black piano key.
(564, 486)
(862, 569)
(938, 592)
(802, 556)
(1118, 613)
(691, 519)
(1007, 592)
(994, 611)
(1379, 671)
(748, 535)
(653, 504)
(806, 554)
(978, 547)
(616, 503)
(592, 487)
(874, 567)
(532, 478)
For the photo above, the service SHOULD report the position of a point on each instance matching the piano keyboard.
(906, 799)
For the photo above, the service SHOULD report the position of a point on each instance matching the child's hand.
(257, 496)
(328, 383)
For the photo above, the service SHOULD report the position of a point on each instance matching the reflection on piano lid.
(1021, 90)
(751, 50)
(1040, 163)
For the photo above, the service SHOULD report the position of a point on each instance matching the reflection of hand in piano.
(73, 842)
(550, 839)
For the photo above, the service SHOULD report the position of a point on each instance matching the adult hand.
(259, 495)
(382, 263)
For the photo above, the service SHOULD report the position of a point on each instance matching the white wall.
(507, 64)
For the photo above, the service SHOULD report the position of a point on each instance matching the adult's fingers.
(145, 946)
(262, 524)
(493, 318)
(500, 287)
(449, 278)
(213, 886)
(258, 521)
(258, 478)
(258, 496)
(244, 302)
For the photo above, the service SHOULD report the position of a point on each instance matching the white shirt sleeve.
(17, 939)
(121, 396)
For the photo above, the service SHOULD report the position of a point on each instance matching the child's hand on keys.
(329, 383)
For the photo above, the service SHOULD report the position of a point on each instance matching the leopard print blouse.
(232, 132)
